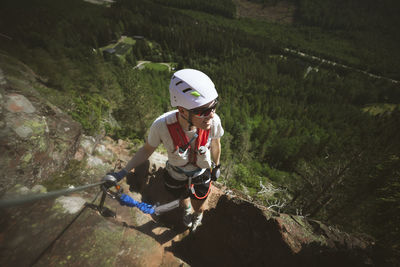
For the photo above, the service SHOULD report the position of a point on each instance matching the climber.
(191, 135)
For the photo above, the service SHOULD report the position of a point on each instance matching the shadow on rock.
(236, 233)
(151, 187)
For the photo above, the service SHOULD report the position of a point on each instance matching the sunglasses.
(204, 112)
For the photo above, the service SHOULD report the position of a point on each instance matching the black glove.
(112, 178)
(109, 181)
(119, 175)
(215, 172)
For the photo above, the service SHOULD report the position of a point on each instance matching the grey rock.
(23, 131)
(19, 103)
(71, 204)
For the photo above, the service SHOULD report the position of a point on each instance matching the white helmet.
(191, 89)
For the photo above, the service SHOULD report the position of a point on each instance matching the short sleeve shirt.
(159, 134)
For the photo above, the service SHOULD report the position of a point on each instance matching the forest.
(325, 141)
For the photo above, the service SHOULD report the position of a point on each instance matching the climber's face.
(202, 116)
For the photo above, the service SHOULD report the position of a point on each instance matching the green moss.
(27, 157)
(142, 242)
(57, 208)
(38, 128)
(104, 241)
(62, 147)
(74, 174)
(42, 144)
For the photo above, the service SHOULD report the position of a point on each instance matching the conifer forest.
(324, 138)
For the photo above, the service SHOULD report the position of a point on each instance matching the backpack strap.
(177, 134)
(180, 139)
(202, 139)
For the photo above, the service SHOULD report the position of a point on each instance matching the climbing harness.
(191, 188)
(193, 180)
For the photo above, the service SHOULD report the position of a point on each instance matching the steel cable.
(12, 202)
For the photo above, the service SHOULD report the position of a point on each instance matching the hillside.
(69, 230)
(281, 12)
(306, 125)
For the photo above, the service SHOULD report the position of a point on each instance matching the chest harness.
(182, 143)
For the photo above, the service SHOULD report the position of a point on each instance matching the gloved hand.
(215, 172)
(109, 181)
(119, 175)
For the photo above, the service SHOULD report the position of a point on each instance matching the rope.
(194, 192)
(12, 202)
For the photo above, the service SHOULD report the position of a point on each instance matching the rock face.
(69, 231)
(36, 138)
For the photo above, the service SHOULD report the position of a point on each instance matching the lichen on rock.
(34, 141)
(71, 204)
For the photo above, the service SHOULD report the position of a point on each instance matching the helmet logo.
(196, 94)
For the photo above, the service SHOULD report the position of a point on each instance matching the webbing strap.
(180, 139)
(126, 200)
(193, 173)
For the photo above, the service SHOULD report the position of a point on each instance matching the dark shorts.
(179, 189)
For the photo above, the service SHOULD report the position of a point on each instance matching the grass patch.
(107, 47)
(129, 40)
(380, 109)
(156, 66)
(122, 48)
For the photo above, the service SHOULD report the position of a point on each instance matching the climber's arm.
(216, 150)
(140, 157)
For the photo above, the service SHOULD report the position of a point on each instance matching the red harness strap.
(180, 139)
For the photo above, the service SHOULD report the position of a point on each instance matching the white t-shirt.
(159, 134)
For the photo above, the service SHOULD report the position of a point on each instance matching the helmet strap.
(189, 120)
